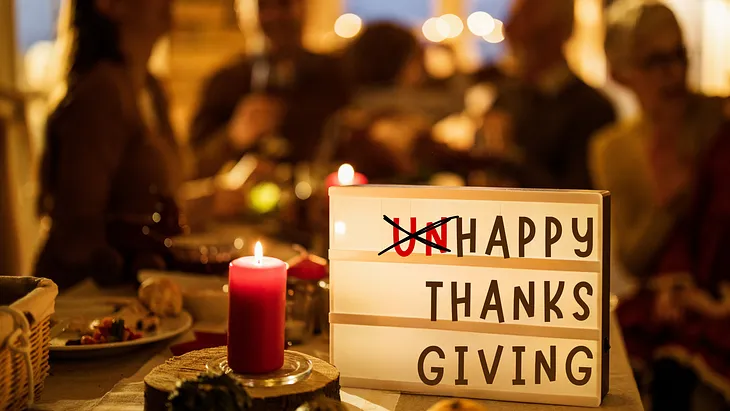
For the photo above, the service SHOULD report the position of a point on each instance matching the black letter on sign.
(588, 238)
(525, 239)
(498, 229)
(518, 350)
(493, 293)
(580, 301)
(551, 238)
(455, 301)
(490, 374)
(433, 285)
(439, 371)
(460, 380)
(461, 236)
(586, 371)
(551, 303)
(541, 362)
(528, 304)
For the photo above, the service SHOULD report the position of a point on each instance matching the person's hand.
(700, 301)
(229, 203)
(668, 306)
(497, 132)
(254, 116)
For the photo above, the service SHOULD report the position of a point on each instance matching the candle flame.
(258, 252)
(346, 175)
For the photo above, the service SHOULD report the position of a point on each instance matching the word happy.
(436, 236)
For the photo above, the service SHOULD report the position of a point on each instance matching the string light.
(480, 23)
(436, 29)
(456, 26)
(497, 34)
(348, 25)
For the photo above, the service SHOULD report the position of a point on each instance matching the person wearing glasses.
(656, 168)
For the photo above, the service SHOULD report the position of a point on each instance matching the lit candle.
(345, 176)
(257, 311)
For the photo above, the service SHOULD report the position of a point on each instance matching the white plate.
(169, 327)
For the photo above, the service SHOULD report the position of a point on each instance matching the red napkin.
(308, 267)
(203, 339)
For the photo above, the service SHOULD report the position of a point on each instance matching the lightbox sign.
(471, 292)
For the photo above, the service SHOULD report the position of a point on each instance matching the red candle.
(256, 313)
(345, 176)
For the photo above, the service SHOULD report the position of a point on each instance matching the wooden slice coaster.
(160, 382)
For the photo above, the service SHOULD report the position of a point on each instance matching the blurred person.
(111, 165)
(275, 104)
(667, 173)
(543, 118)
(391, 115)
(387, 71)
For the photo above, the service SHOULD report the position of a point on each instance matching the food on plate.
(107, 330)
(456, 405)
(148, 323)
(162, 296)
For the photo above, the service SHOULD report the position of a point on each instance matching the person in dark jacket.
(389, 121)
(542, 120)
(276, 104)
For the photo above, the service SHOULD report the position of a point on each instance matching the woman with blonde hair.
(669, 222)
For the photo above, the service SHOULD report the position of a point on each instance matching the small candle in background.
(345, 176)
(257, 311)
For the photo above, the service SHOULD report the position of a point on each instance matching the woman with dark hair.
(385, 55)
(387, 72)
(111, 164)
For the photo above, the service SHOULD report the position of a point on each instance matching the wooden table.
(115, 383)
(80, 385)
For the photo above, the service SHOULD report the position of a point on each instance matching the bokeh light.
(440, 62)
(303, 190)
(238, 243)
(346, 174)
(436, 29)
(497, 34)
(348, 25)
(480, 23)
(456, 26)
(264, 197)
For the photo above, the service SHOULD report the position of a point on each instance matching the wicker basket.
(31, 299)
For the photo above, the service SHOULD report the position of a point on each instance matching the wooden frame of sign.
(489, 293)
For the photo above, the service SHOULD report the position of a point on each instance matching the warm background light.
(264, 197)
(303, 190)
(346, 175)
(436, 29)
(440, 62)
(480, 23)
(348, 25)
(456, 26)
(497, 33)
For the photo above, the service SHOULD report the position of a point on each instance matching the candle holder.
(296, 368)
